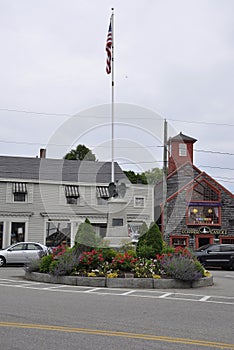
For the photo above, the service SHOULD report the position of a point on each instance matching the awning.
(102, 192)
(19, 187)
(72, 191)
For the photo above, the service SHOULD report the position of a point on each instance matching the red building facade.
(199, 210)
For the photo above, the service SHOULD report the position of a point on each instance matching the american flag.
(108, 50)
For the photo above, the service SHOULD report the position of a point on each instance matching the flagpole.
(112, 102)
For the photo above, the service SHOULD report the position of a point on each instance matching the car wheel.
(2, 261)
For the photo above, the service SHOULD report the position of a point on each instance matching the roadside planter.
(103, 282)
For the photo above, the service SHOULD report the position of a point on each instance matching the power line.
(95, 116)
(101, 146)
(33, 112)
(214, 167)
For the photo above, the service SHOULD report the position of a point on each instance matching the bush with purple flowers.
(180, 267)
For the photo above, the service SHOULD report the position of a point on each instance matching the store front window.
(203, 214)
(17, 232)
(57, 233)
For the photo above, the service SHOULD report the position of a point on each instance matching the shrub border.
(105, 282)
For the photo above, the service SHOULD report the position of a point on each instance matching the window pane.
(58, 232)
(139, 202)
(17, 232)
(182, 150)
(203, 215)
(19, 197)
(71, 200)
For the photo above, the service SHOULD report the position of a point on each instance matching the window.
(58, 232)
(102, 194)
(214, 248)
(227, 248)
(19, 191)
(203, 191)
(203, 214)
(182, 150)
(139, 202)
(72, 194)
(227, 240)
(18, 247)
(17, 232)
(32, 246)
(179, 241)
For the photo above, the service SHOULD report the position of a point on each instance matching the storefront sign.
(204, 230)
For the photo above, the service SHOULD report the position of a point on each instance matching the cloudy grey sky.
(174, 60)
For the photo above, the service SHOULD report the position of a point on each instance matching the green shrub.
(146, 251)
(151, 241)
(107, 253)
(53, 266)
(64, 265)
(45, 263)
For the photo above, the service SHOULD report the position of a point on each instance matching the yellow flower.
(91, 274)
(156, 276)
(206, 273)
(112, 275)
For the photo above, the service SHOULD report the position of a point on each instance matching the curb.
(141, 283)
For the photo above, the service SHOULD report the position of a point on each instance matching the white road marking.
(205, 298)
(140, 293)
(165, 295)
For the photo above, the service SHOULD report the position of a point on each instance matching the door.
(203, 239)
(32, 251)
(17, 254)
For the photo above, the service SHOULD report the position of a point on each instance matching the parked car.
(22, 253)
(216, 255)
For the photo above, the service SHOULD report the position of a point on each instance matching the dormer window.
(182, 150)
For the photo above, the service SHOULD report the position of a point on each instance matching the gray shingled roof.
(24, 168)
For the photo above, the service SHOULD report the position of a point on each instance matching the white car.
(22, 253)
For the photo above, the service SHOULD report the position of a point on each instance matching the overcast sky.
(174, 60)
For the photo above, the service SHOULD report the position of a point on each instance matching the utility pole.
(165, 153)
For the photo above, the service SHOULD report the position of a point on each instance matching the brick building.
(199, 210)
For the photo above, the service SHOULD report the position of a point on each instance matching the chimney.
(42, 153)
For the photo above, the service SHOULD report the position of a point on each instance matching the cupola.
(180, 151)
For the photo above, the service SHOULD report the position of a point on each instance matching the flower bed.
(114, 268)
(105, 282)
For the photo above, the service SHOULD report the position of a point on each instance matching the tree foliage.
(150, 177)
(151, 243)
(81, 152)
(154, 176)
(86, 235)
(135, 178)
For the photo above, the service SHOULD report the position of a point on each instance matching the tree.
(143, 229)
(150, 177)
(135, 178)
(81, 152)
(86, 235)
(154, 176)
(151, 243)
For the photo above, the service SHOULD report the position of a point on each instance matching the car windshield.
(203, 248)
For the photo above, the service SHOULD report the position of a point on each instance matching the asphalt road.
(44, 316)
